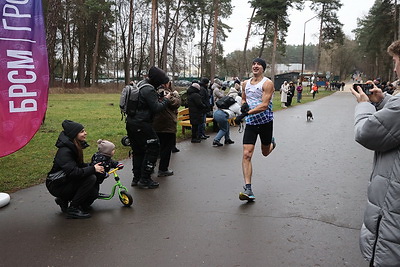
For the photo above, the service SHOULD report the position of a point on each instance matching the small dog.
(309, 115)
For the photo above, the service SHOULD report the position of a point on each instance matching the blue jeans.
(298, 97)
(222, 119)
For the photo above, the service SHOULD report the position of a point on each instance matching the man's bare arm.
(268, 91)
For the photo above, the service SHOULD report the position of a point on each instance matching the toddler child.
(106, 151)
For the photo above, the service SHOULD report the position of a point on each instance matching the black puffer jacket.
(205, 97)
(196, 106)
(149, 104)
(66, 159)
(107, 162)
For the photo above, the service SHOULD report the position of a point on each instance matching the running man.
(257, 93)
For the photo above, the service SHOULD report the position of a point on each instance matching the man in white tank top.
(257, 94)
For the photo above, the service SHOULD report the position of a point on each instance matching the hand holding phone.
(364, 86)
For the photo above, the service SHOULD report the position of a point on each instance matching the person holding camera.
(377, 127)
(164, 124)
(257, 93)
(139, 126)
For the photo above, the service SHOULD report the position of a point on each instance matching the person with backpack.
(228, 108)
(139, 126)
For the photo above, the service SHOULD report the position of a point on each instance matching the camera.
(364, 86)
(161, 94)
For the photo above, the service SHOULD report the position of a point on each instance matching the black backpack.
(225, 102)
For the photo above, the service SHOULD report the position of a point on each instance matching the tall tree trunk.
(129, 50)
(96, 49)
(153, 32)
(201, 45)
(320, 40)
(51, 35)
(176, 27)
(166, 35)
(214, 46)
(246, 67)
(71, 62)
(274, 50)
(260, 53)
(81, 57)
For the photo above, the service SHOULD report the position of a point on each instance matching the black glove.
(244, 108)
(239, 119)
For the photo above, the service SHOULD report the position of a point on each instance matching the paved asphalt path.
(311, 194)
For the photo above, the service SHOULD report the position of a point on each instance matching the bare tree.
(153, 32)
(242, 72)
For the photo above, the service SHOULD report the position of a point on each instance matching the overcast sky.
(348, 14)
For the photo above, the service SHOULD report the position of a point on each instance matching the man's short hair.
(394, 48)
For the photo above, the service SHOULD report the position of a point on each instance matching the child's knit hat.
(105, 147)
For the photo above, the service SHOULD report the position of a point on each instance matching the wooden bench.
(184, 119)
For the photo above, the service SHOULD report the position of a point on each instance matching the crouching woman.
(78, 189)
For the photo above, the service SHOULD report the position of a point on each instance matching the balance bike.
(123, 194)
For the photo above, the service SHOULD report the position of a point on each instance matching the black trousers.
(145, 149)
(81, 192)
(195, 131)
(167, 143)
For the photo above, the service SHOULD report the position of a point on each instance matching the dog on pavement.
(309, 115)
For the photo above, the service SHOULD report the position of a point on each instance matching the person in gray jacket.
(377, 127)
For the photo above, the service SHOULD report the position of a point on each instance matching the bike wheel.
(125, 198)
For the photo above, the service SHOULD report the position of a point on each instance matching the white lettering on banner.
(13, 13)
(17, 89)
(24, 106)
(26, 57)
(18, 2)
(12, 91)
(13, 73)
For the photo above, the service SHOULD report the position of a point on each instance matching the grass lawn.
(100, 115)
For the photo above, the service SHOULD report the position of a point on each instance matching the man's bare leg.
(248, 151)
(266, 150)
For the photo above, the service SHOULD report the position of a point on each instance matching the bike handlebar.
(113, 171)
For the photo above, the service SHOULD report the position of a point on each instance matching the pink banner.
(24, 73)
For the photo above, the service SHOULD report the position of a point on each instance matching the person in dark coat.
(205, 96)
(80, 188)
(196, 110)
(139, 126)
(164, 124)
(290, 94)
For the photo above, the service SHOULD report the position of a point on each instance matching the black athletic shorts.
(252, 131)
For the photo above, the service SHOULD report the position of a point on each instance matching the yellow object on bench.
(184, 119)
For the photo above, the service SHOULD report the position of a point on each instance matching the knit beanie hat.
(204, 81)
(157, 77)
(105, 147)
(261, 62)
(218, 81)
(71, 128)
